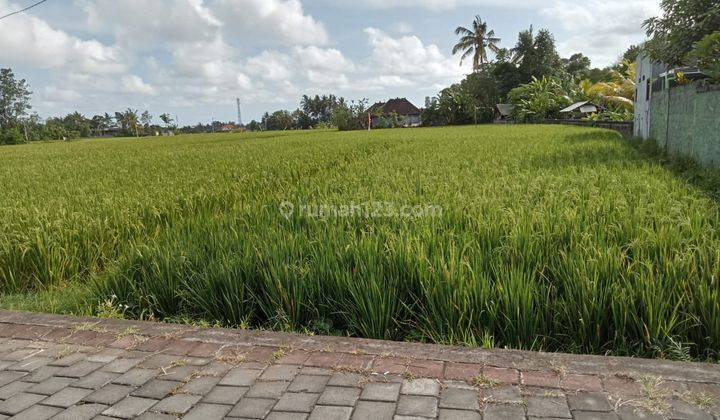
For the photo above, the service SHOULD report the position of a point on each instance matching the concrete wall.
(692, 126)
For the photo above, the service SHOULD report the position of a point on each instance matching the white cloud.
(141, 24)
(272, 21)
(30, 41)
(600, 29)
(135, 84)
(409, 56)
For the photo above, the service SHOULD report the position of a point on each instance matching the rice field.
(533, 237)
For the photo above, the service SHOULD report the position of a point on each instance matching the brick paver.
(50, 368)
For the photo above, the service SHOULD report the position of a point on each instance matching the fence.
(685, 121)
(623, 127)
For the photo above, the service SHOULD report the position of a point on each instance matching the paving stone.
(130, 407)
(121, 365)
(37, 412)
(240, 377)
(135, 377)
(417, 405)
(280, 373)
(21, 354)
(589, 402)
(683, 410)
(156, 389)
(51, 385)
(451, 414)
(208, 412)
(6, 377)
(428, 387)
(324, 412)
(201, 385)
(426, 368)
(502, 375)
(81, 412)
(281, 415)
(67, 397)
(546, 379)
(302, 402)
(225, 395)
(19, 402)
(180, 373)
(106, 355)
(503, 412)
(268, 389)
(158, 361)
(629, 412)
(177, 404)
(80, 369)
(548, 407)
(334, 395)
(69, 360)
(214, 368)
(14, 388)
(205, 350)
(375, 410)
(594, 415)
(313, 370)
(150, 415)
(30, 364)
(502, 395)
(587, 383)
(466, 399)
(463, 371)
(253, 408)
(42, 374)
(109, 394)
(345, 379)
(96, 380)
(309, 383)
(380, 391)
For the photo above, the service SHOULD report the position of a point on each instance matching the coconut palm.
(476, 42)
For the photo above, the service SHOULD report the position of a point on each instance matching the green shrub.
(707, 54)
(12, 135)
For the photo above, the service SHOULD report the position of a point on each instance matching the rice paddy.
(532, 237)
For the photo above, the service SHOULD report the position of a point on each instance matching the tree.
(128, 121)
(540, 99)
(14, 99)
(535, 55)
(146, 120)
(578, 65)
(682, 24)
(476, 42)
(166, 119)
(707, 54)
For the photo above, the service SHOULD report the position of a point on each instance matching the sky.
(192, 58)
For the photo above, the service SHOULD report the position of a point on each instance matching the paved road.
(75, 368)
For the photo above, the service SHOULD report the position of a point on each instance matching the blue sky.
(192, 58)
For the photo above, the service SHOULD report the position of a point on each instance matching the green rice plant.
(550, 237)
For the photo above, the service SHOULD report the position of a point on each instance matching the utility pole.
(239, 119)
(212, 124)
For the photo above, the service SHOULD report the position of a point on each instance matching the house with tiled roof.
(407, 113)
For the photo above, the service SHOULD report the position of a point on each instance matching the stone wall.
(691, 128)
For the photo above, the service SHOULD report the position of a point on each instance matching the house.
(648, 81)
(503, 112)
(580, 109)
(229, 127)
(408, 114)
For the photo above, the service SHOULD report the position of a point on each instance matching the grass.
(549, 237)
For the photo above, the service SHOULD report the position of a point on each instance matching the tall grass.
(553, 238)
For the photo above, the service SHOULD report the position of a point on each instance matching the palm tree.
(476, 42)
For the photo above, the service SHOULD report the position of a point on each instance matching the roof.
(584, 106)
(400, 106)
(505, 109)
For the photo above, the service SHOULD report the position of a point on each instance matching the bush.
(707, 54)
(12, 136)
